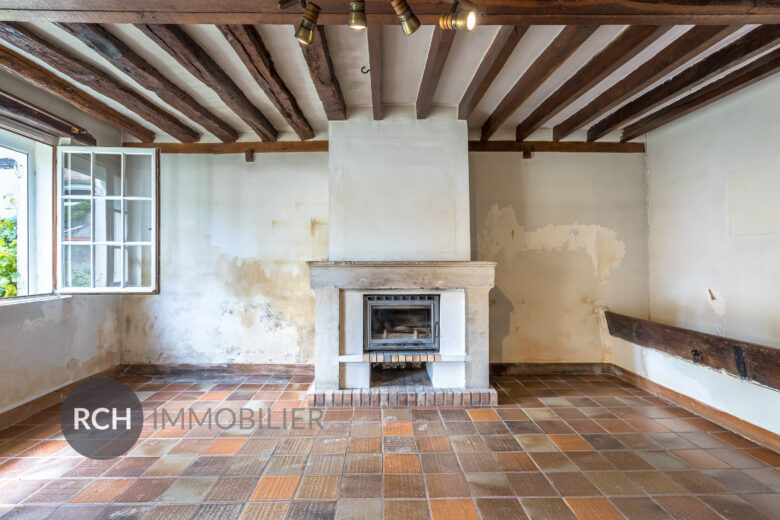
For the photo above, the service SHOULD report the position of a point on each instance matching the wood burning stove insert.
(401, 322)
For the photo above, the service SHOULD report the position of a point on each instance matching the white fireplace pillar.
(327, 334)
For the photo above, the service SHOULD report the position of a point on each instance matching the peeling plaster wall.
(569, 233)
(234, 282)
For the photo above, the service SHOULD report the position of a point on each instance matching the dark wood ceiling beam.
(240, 147)
(127, 61)
(17, 65)
(94, 78)
(495, 58)
(692, 43)
(552, 146)
(492, 12)
(18, 110)
(374, 35)
(749, 46)
(755, 71)
(323, 75)
(441, 43)
(563, 46)
(181, 47)
(249, 47)
(626, 45)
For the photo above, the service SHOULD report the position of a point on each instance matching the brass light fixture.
(305, 31)
(409, 21)
(461, 21)
(357, 14)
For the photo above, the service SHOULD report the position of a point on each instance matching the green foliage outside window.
(8, 242)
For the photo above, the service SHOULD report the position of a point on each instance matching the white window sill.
(20, 300)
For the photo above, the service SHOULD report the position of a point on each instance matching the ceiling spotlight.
(357, 14)
(462, 21)
(409, 21)
(305, 31)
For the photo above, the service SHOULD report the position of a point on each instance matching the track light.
(357, 14)
(409, 21)
(305, 31)
(464, 20)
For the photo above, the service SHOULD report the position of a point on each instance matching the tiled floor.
(558, 447)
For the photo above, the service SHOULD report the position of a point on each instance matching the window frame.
(154, 153)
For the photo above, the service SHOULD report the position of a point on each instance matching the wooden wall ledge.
(747, 361)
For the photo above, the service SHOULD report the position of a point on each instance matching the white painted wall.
(399, 188)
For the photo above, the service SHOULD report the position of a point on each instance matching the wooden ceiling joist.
(21, 67)
(374, 35)
(551, 146)
(692, 43)
(630, 42)
(492, 12)
(323, 75)
(567, 41)
(249, 47)
(181, 47)
(94, 78)
(751, 73)
(437, 57)
(18, 110)
(755, 42)
(238, 148)
(116, 52)
(495, 58)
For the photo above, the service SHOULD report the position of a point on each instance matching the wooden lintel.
(555, 146)
(36, 118)
(235, 148)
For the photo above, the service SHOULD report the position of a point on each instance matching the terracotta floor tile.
(397, 428)
(531, 484)
(319, 487)
(218, 511)
(188, 489)
(327, 445)
(400, 463)
(399, 444)
(265, 511)
(102, 491)
(536, 443)
(488, 484)
(145, 490)
(325, 464)
(613, 483)
(57, 491)
(363, 509)
(312, 510)
(547, 509)
(446, 485)
(500, 509)
(361, 486)
(640, 508)
(478, 462)
(482, 414)
(365, 445)
(232, 489)
(225, 447)
(767, 503)
(404, 486)
(589, 460)
(170, 512)
(552, 461)
(363, 463)
(406, 510)
(654, 482)
(570, 442)
(736, 481)
(130, 467)
(593, 509)
(433, 444)
(275, 488)
(627, 460)
(686, 508)
(285, 465)
(447, 509)
(514, 461)
(696, 482)
(572, 484)
(439, 463)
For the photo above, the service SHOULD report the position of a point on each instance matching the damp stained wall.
(235, 237)
(569, 233)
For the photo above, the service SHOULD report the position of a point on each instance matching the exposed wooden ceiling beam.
(437, 57)
(239, 148)
(20, 111)
(752, 44)
(751, 73)
(567, 41)
(692, 43)
(116, 52)
(181, 47)
(630, 42)
(323, 75)
(249, 47)
(94, 78)
(552, 146)
(21, 67)
(374, 35)
(493, 12)
(496, 56)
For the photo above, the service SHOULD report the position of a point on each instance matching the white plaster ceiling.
(403, 62)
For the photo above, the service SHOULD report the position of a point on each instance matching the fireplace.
(393, 322)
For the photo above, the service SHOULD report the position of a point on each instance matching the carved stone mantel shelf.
(402, 275)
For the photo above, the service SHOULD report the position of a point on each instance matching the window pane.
(138, 266)
(138, 221)
(108, 220)
(76, 179)
(76, 220)
(107, 172)
(76, 266)
(108, 266)
(138, 176)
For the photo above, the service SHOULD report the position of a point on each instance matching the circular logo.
(101, 418)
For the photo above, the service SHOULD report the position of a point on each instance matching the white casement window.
(107, 220)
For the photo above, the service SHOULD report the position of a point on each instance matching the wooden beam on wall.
(495, 58)
(235, 148)
(749, 46)
(692, 43)
(94, 78)
(249, 47)
(761, 363)
(127, 61)
(21, 67)
(20, 111)
(626, 45)
(181, 47)
(437, 57)
(563, 46)
(323, 75)
(374, 35)
(493, 12)
(763, 67)
(553, 146)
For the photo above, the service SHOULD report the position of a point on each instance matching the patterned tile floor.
(566, 447)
